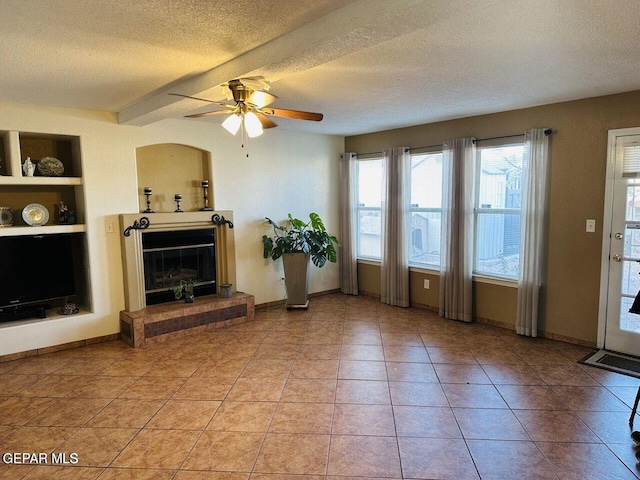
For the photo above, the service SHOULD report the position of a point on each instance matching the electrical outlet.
(426, 283)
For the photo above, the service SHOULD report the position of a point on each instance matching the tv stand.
(21, 312)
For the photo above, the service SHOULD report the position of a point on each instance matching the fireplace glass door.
(174, 256)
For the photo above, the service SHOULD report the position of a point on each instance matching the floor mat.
(615, 362)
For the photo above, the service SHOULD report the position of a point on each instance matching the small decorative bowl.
(6, 217)
(50, 167)
(69, 309)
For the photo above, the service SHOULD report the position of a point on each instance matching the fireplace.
(159, 250)
(168, 247)
(173, 257)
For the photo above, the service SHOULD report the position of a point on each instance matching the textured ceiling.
(367, 65)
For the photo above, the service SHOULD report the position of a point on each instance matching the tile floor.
(349, 389)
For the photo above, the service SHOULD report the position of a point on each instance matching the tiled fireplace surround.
(141, 324)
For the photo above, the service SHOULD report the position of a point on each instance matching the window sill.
(503, 282)
(368, 261)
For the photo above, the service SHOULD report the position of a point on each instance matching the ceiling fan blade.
(197, 98)
(266, 121)
(206, 114)
(297, 114)
(261, 99)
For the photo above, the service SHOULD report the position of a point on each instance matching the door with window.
(619, 329)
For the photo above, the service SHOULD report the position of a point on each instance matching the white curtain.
(533, 205)
(456, 246)
(395, 227)
(347, 238)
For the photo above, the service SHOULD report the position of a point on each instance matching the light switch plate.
(591, 226)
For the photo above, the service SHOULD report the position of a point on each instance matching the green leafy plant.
(301, 237)
(184, 290)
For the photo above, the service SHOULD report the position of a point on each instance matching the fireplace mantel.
(132, 256)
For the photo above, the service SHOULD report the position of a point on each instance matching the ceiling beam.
(359, 25)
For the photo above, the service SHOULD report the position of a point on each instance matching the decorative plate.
(50, 167)
(35, 214)
(6, 217)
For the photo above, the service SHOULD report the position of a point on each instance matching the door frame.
(607, 219)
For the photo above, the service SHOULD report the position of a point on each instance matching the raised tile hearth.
(169, 320)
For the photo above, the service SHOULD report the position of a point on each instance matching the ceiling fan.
(250, 99)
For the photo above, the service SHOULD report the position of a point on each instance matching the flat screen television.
(35, 269)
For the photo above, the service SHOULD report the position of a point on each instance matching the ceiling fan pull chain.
(245, 139)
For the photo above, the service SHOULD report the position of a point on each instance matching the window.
(369, 209)
(497, 211)
(426, 209)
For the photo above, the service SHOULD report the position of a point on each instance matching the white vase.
(28, 167)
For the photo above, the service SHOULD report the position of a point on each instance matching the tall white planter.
(296, 274)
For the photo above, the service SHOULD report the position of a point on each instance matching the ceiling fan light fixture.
(232, 123)
(252, 125)
(247, 112)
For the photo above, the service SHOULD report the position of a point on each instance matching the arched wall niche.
(170, 168)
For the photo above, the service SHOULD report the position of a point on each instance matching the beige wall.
(421, 296)
(578, 161)
(168, 169)
(285, 172)
(492, 302)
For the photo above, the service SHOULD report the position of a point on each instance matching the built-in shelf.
(42, 230)
(18, 190)
(40, 181)
(52, 314)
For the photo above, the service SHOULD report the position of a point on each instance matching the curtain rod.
(547, 132)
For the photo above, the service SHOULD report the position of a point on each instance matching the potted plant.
(184, 290)
(297, 242)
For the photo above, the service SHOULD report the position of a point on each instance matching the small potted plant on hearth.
(184, 290)
(297, 242)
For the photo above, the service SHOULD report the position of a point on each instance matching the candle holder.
(178, 199)
(205, 187)
(147, 193)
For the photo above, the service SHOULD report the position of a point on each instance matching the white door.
(619, 330)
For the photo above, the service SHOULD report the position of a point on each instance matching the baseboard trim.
(495, 323)
(541, 333)
(424, 306)
(498, 324)
(571, 340)
(278, 303)
(58, 348)
(364, 293)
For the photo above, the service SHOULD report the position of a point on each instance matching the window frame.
(412, 210)
(362, 208)
(478, 210)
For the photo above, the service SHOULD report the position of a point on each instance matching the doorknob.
(619, 236)
(617, 257)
